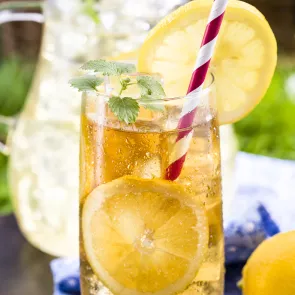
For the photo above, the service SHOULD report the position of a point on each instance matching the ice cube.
(148, 168)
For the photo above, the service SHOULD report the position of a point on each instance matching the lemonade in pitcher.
(150, 190)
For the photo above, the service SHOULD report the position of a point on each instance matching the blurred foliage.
(15, 80)
(5, 203)
(270, 130)
(89, 9)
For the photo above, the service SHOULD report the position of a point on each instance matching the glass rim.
(205, 90)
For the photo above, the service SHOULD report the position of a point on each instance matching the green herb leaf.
(126, 108)
(90, 11)
(150, 86)
(109, 68)
(151, 104)
(86, 83)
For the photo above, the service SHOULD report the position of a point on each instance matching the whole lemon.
(271, 268)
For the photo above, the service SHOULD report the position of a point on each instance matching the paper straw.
(183, 140)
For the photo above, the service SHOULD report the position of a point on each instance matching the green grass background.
(269, 130)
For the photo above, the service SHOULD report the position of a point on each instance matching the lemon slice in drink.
(144, 236)
(243, 63)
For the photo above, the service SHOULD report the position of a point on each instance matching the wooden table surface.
(25, 271)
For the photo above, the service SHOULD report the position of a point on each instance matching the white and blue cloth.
(264, 206)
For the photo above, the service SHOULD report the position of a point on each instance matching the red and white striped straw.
(184, 138)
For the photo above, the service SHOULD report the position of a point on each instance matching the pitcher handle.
(10, 12)
(13, 12)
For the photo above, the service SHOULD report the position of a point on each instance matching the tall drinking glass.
(142, 234)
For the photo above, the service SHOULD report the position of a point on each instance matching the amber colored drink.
(140, 233)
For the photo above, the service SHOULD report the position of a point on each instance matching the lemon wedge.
(144, 236)
(243, 63)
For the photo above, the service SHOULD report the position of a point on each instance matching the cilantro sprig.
(124, 107)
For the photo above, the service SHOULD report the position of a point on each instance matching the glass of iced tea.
(140, 233)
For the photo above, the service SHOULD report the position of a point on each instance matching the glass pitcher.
(43, 147)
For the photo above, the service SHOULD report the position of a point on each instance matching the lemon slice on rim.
(144, 236)
(243, 63)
